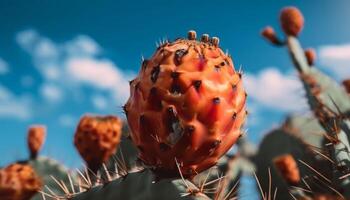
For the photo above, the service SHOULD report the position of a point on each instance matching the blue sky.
(61, 59)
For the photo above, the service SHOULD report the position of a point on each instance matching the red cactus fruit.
(346, 84)
(186, 104)
(18, 182)
(97, 138)
(269, 34)
(36, 138)
(310, 55)
(288, 168)
(292, 20)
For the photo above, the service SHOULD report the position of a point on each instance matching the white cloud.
(337, 59)
(4, 68)
(273, 89)
(51, 92)
(27, 38)
(12, 106)
(99, 73)
(66, 120)
(74, 64)
(99, 102)
(82, 45)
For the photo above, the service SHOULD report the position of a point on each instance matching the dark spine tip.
(205, 38)
(197, 84)
(179, 54)
(216, 143)
(130, 82)
(175, 89)
(175, 75)
(234, 116)
(171, 111)
(246, 112)
(216, 100)
(155, 73)
(144, 64)
(142, 119)
(125, 110)
(234, 87)
(245, 94)
(192, 35)
(240, 75)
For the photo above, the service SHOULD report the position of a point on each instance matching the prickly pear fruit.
(292, 21)
(310, 55)
(36, 138)
(187, 105)
(288, 168)
(346, 84)
(96, 139)
(18, 182)
(270, 34)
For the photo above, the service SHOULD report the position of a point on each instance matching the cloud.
(67, 120)
(336, 58)
(51, 92)
(4, 68)
(72, 65)
(273, 89)
(99, 102)
(11, 106)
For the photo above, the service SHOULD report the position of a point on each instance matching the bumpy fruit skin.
(288, 168)
(97, 138)
(18, 182)
(186, 104)
(292, 21)
(36, 139)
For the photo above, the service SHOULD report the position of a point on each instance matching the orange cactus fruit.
(19, 182)
(288, 168)
(292, 21)
(36, 138)
(310, 55)
(346, 84)
(97, 138)
(269, 34)
(187, 104)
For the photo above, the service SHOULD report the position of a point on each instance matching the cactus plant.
(329, 102)
(141, 185)
(36, 139)
(186, 104)
(48, 170)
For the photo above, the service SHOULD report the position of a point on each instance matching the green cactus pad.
(139, 186)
